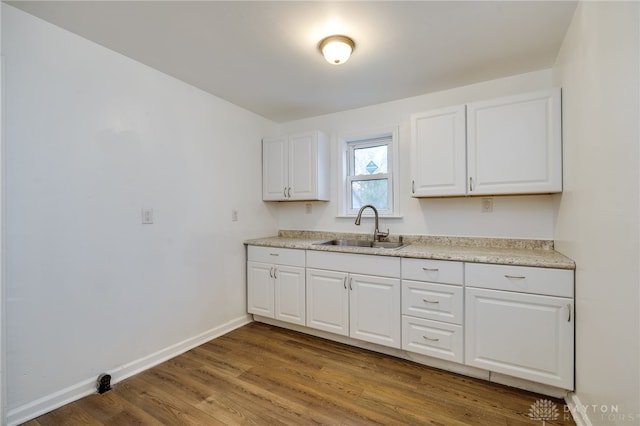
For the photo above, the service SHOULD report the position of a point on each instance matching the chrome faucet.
(377, 235)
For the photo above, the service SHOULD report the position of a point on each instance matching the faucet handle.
(380, 235)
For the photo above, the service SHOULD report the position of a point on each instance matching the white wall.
(598, 221)
(512, 217)
(3, 322)
(91, 138)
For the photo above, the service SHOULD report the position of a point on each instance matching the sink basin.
(349, 243)
(363, 243)
(388, 245)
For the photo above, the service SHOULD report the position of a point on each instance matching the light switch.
(147, 216)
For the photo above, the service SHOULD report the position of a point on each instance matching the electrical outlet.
(487, 205)
(147, 216)
(308, 208)
(234, 215)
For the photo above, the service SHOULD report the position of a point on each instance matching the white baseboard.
(577, 410)
(86, 387)
(527, 385)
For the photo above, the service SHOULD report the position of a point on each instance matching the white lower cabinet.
(432, 311)
(524, 335)
(289, 294)
(349, 303)
(360, 306)
(512, 320)
(374, 309)
(276, 290)
(328, 301)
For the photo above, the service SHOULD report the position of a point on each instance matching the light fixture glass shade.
(337, 49)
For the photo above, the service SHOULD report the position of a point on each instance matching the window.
(368, 172)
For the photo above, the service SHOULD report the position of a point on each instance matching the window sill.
(353, 216)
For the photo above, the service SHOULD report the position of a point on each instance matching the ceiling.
(263, 55)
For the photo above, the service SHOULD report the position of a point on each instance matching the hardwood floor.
(265, 375)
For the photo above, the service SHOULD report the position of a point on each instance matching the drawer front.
(440, 302)
(523, 279)
(274, 255)
(436, 271)
(433, 338)
(383, 266)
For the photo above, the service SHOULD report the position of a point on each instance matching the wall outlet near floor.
(308, 208)
(487, 205)
(234, 215)
(104, 383)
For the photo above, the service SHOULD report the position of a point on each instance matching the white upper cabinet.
(275, 168)
(515, 144)
(438, 156)
(296, 167)
(510, 145)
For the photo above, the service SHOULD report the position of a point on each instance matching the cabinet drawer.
(437, 271)
(384, 266)
(433, 338)
(524, 279)
(439, 302)
(280, 256)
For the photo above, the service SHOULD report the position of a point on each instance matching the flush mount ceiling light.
(336, 49)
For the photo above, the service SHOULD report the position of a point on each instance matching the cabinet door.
(522, 335)
(328, 301)
(260, 289)
(275, 180)
(290, 294)
(438, 153)
(303, 166)
(375, 309)
(514, 144)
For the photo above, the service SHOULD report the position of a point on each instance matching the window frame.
(362, 139)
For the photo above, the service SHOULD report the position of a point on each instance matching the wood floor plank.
(310, 393)
(166, 407)
(262, 398)
(263, 375)
(111, 407)
(71, 415)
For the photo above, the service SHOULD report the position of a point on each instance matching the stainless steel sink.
(388, 245)
(363, 243)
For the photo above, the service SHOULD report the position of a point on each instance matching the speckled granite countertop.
(539, 253)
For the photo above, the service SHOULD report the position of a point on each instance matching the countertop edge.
(500, 256)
